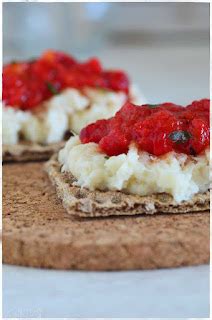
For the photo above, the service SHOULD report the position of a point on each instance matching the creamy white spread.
(69, 110)
(136, 172)
(12, 122)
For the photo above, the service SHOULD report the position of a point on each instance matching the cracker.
(26, 151)
(85, 203)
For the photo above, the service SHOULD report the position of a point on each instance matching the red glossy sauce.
(27, 84)
(157, 129)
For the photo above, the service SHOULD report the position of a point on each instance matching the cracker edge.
(23, 152)
(84, 203)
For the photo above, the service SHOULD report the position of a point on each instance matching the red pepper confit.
(27, 84)
(156, 129)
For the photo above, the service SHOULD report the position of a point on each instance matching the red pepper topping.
(157, 129)
(27, 84)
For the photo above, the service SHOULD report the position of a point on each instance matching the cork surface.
(38, 232)
(86, 203)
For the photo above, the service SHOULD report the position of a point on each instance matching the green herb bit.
(152, 106)
(52, 88)
(32, 60)
(180, 136)
(73, 133)
(103, 90)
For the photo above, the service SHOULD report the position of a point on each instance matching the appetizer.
(44, 99)
(145, 159)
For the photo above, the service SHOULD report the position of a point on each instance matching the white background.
(30, 293)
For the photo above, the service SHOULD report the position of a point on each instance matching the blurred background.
(163, 46)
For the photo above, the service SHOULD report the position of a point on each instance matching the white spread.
(12, 122)
(69, 110)
(103, 105)
(136, 172)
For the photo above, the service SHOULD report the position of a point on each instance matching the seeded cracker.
(85, 203)
(27, 151)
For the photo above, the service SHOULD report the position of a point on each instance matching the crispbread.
(38, 232)
(27, 151)
(85, 203)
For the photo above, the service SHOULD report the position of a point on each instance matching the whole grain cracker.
(27, 151)
(85, 203)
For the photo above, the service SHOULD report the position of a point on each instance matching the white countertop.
(164, 73)
(177, 74)
(171, 293)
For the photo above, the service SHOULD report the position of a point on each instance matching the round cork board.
(37, 231)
